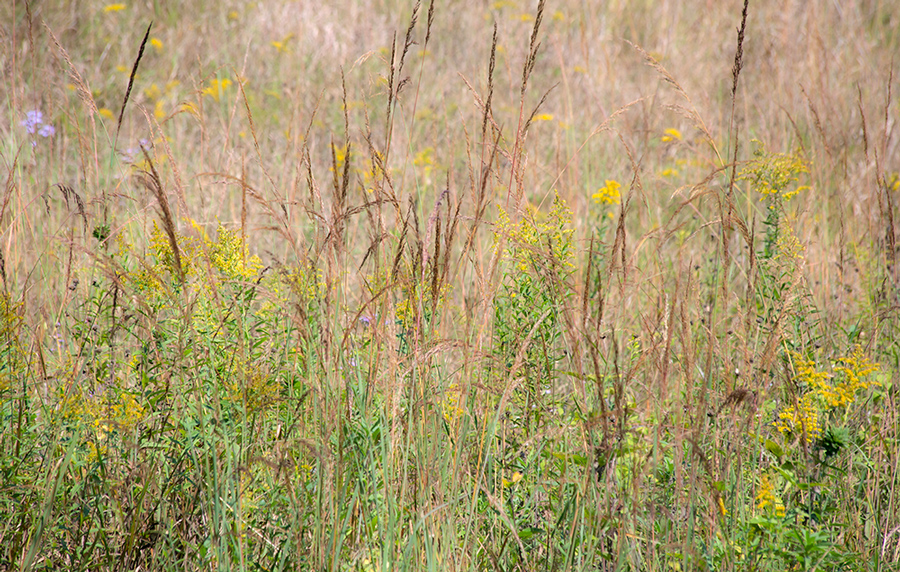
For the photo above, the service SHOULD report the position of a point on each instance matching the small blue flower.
(33, 119)
(47, 131)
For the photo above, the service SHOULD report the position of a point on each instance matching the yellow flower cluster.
(824, 391)
(307, 282)
(892, 182)
(10, 322)
(838, 391)
(801, 418)
(126, 412)
(767, 499)
(229, 255)
(282, 45)
(855, 367)
(788, 247)
(608, 194)
(425, 160)
(107, 412)
(533, 233)
(373, 171)
(452, 409)
(774, 174)
(216, 88)
(671, 134)
(158, 96)
(254, 388)
(407, 309)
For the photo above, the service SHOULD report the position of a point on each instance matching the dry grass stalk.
(134, 68)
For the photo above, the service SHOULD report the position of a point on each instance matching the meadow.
(488, 285)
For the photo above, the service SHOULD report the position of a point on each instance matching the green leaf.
(774, 448)
(529, 533)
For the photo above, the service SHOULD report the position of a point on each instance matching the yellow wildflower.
(216, 88)
(513, 479)
(424, 158)
(671, 134)
(282, 44)
(774, 174)
(152, 92)
(892, 182)
(113, 8)
(608, 194)
(766, 497)
(801, 418)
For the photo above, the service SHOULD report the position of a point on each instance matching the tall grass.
(449, 287)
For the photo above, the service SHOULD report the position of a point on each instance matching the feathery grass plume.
(151, 181)
(739, 53)
(428, 23)
(885, 202)
(486, 168)
(434, 230)
(134, 68)
(87, 97)
(83, 90)
(396, 81)
(886, 191)
(516, 174)
(537, 108)
(159, 135)
(490, 90)
(533, 47)
(67, 192)
(407, 43)
(690, 113)
(728, 216)
(282, 220)
(817, 122)
(345, 177)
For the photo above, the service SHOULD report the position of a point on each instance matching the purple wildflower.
(34, 123)
(33, 119)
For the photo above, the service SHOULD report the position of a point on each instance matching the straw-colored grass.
(470, 286)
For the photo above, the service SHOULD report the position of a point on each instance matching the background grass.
(465, 286)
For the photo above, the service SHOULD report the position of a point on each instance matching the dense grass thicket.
(478, 285)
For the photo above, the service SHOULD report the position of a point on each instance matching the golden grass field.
(478, 285)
